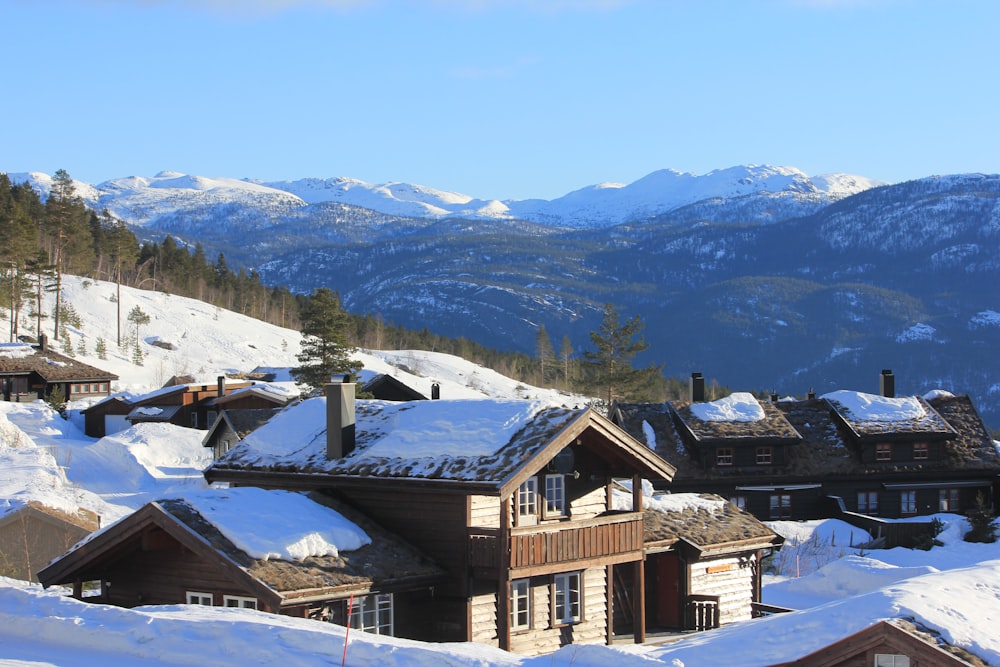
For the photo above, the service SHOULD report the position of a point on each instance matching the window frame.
(894, 660)
(921, 450)
(556, 493)
(908, 502)
(739, 502)
(725, 456)
(242, 602)
(784, 507)
(868, 506)
(765, 455)
(365, 614)
(561, 591)
(949, 500)
(526, 500)
(883, 451)
(199, 597)
(520, 604)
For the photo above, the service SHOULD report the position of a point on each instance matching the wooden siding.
(589, 504)
(484, 511)
(483, 618)
(542, 637)
(730, 580)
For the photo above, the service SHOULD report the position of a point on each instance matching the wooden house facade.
(189, 405)
(168, 552)
(810, 458)
(33, 534)
(231, 426)
(29, 372)
(522, 520)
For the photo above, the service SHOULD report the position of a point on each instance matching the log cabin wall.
(728, 578)
(484, 511)
(542, 637)
(589, 504)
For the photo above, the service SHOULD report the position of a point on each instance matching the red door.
(668, 590)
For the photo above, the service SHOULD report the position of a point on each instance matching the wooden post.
(636, 493)
(503, 581)
(610, 606)
(639, 601)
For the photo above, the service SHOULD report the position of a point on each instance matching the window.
(921, 451)
(948, 500)
(891, 660)
(567, 598)
(724, 456)
(883, 451)
(555, 495)
(520, 604)
(781, 506)
(200, 598)
(764, 456)
(373, 613)
(238, 601)
(868, 502)
(210, 418)
(527, 497)
(194, 420)
(907, 502)
(739, 501)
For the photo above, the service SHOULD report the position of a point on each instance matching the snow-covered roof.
(462, 440)
(872, 414)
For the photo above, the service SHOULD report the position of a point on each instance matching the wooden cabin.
(512, 498)
(175, 551)
(190, 405)
(29, 372)
(32, 534)
(703, 561)
(889, 643)
(387, 388)
(231, 426)
(805, 458)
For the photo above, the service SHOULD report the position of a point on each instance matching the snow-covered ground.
(952, 589)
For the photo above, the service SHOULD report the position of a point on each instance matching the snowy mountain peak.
(141, 200)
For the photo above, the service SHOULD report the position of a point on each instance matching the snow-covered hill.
(142, 200)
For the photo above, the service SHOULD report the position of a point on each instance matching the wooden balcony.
(609, 538)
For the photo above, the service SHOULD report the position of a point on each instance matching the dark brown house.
(190, 405)
(169, 552)
(28, 372)
(387, 388)
(871, 454)
(511, 498)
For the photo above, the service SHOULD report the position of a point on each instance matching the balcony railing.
(562, 542)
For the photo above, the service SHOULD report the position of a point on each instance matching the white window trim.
(562, 597)
(554, 502)
(891, 660)
(527, 501)
(196, 597)
(520, 603)
(241, 601)
(370, 607)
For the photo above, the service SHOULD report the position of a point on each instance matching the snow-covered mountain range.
(140, 200)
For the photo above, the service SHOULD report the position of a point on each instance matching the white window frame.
(949, 499)
(921, 451)
(554, 503)
(239, 601)
(765, 455)
(197, 597)
(374, 614)
(891, 660)
(567, 598)
(527, 498)
(520, 604)
(725, 456)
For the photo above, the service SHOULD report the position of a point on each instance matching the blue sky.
(507, 99)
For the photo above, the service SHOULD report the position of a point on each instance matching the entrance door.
(667, 597)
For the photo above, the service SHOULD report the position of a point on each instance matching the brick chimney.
(340, 426)
(887, 383)
(697, 388)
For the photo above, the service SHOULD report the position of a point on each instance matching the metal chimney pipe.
(340, 425)
(697, 388)
(435, 391)
(887, 383)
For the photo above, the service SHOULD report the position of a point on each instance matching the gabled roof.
(267, 392)
(872, 417)
(386, 387)
(152, 413)
(768, 427)
(385, 563)
(50, 365)
(84, 519)
(240, 422)
(703, 523)
(491, 444)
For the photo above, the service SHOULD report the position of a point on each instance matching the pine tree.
(102, 349)
(544, 352)
(66, 224)
(325, 350)
(138, 318)
(610, 365)
(566, 356)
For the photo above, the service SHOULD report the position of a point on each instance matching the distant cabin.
(33, 534)
(29, 372)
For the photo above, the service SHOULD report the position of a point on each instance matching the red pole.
(347, 630)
